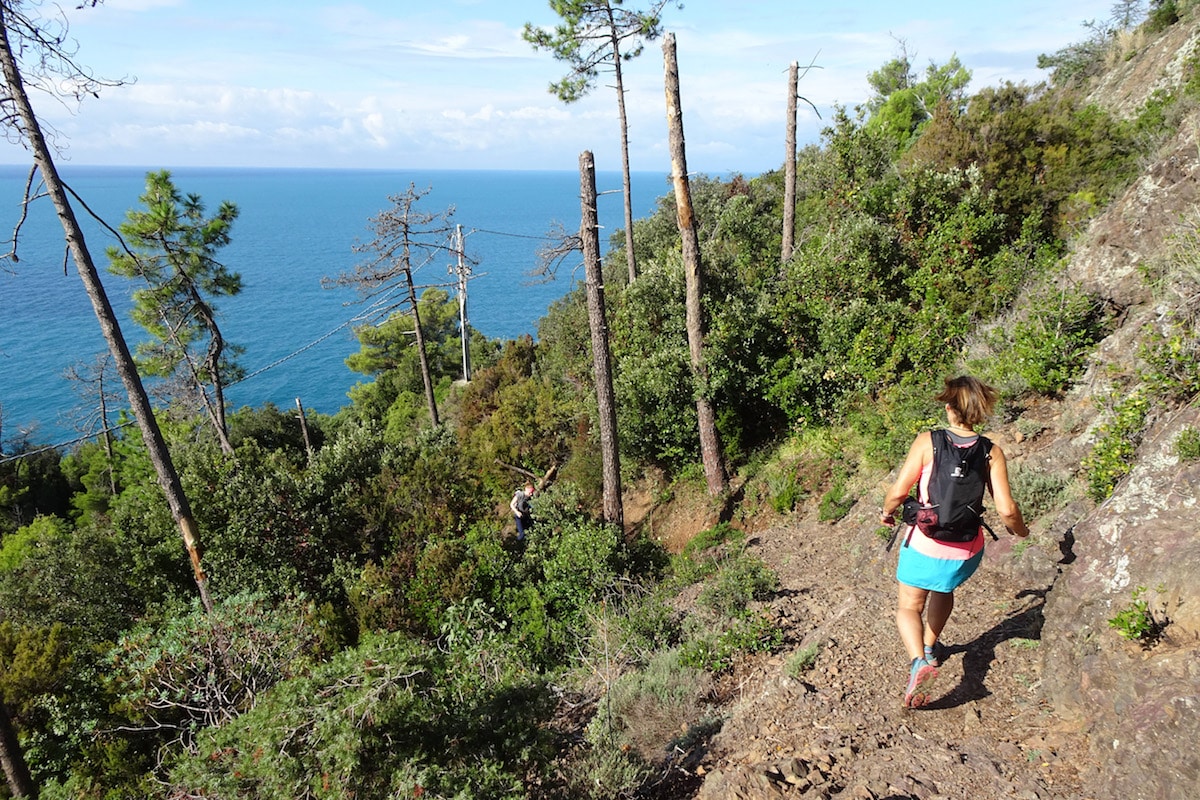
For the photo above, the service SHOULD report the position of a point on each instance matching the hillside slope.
(1040, 697)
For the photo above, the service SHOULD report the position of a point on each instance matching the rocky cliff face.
(1138, 702)
(1139, 705)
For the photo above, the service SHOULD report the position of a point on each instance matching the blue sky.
(450, 84)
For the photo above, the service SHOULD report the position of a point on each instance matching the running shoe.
(920, 679)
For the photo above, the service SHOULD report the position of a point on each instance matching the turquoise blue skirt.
(934, 574)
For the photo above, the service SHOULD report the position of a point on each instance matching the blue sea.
(295, 228)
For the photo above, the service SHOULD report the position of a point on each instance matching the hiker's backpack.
(957, 481)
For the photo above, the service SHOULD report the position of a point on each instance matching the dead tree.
(710, 441)
(589, 233)
(789, 163)
(405, 240)
(93, 385)
(789, 166)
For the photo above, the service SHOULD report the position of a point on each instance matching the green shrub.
(1187, 444)
(645, 708)
(738, 581)
(1048, 348)
(1079, 60)
(720, 534)
(568, 565)
(837, 501)
(1111, 456)
(390, 718)
(606, 772)
(204, 669)
(25, 542)
(716, 652)
(1163, 14)
(1030, 428)
(1172, 362)
(1037, 492)
(885, 426)
(1135, 621)
(785, 491)
(648, 623)
(704, 553)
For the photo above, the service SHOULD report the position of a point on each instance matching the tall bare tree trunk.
(626, 188)
(589, 232)
(16, 771)
(426, 378)
(710, 441)
(160, 457)
(789, 166)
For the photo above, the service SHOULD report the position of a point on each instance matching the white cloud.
(363, 83)
(375, 125)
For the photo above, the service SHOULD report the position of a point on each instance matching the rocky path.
(838, 730)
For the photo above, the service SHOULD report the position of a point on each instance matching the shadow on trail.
(979, 654)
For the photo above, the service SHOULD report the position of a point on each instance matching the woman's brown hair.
(971, 399)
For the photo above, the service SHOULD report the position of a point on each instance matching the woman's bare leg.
(910, 606)
(937, 612)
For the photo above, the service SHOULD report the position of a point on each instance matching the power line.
(294, 353)
(363, 316)
(272, 365)
(515, 235)
(76, 440)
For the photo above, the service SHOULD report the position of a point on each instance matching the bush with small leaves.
(201, 669)
(645, 708)
(389, 718)
(1111, 456)
(739, 580)
(1187, 444)
(1037, 492)
(1135, 621)
(717, 651)
(1047, 345)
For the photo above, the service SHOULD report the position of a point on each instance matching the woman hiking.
(932, 565)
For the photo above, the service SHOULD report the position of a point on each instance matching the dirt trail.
(839, 730)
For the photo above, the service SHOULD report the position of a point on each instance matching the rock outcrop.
(1138, 702)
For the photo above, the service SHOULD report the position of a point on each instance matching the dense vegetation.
(378, 631)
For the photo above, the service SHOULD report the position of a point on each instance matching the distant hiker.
(522, 511)
(932, 565)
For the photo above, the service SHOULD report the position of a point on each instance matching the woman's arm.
(919, 454)
(1006, 506)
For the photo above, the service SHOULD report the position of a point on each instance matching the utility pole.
(463, 270)
(304, 430)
